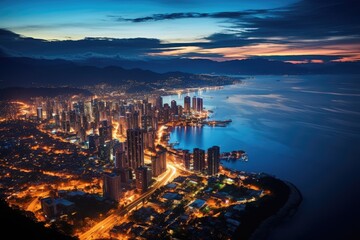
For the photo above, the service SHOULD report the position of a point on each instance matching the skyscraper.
(120, 159)
(194, 103)
(187, 100)
(199, 104)
(143, 178)
(135, 148)
(213, 160)
(39, 113)
(158, 163)
(174, 109)
(186, 159)
(159, 103)
(112, 186)
(199, 159)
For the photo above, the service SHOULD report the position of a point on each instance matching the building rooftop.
(198, 203)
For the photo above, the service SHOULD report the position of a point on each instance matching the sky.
(289, 30)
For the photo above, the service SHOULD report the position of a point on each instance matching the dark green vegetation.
(256, 212)
(24, 226)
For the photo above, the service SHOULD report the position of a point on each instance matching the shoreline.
(287, 211)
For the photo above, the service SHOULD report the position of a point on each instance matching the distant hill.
(256, 66)
(21, 93)
(29, 72)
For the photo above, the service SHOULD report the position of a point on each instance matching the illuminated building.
(187, 100)
(194, 101)
(146, 122)
(132, 120)
(166, 113)
(158, 163)
(104, 151)
(92, 142)
(39, 113)
(159, 103)
(143, 178)
(120, 160)
(186, 159)
(135, 148)
(213, 160)
(199, 104)
(55, 207)
(180, 110)
(174, 109)
(199, 159)
(105, 132)
(149, 139)
(112, 186)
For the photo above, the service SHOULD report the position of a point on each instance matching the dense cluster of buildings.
(192, 207)
(99, 125)
(196, 161)
(118, 142)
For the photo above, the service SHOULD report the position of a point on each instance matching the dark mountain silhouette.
(246, 67)
(29, 72)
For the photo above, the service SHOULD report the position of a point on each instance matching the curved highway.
(109, 222)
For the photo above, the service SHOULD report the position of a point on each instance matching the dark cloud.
(307, 24)
(16, 44)
(309, 19)
(182, 15)
(303, 58)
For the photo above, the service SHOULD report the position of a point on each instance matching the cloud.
(307, 31)
(16, 44)
(182, 15)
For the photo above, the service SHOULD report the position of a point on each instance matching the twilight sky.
(289, 30)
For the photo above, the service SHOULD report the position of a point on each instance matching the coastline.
(287, 211)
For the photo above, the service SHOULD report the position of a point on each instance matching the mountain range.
(252, 66)
(30, 72)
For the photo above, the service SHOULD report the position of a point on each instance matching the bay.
(303, 129)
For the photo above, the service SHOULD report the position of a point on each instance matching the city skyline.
(183, 119)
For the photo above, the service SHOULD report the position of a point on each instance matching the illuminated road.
(105, 225)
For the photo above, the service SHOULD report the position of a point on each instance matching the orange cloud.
(271, 49)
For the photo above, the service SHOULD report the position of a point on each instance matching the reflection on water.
(304, 129)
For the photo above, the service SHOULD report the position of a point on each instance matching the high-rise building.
(158, 163)
(112, 186)
(194, 103)
(120, 160)
(105, 132)
(159, 103)
(132, 120)
(199, 104)
(199, 159)
(180, 110)
(135, 148)
(187, 100)
(146, 122)
(104, 151)
(92, 142)
(143, 178)
(186, 159)
(213, 160)
(174, 109)
(149, 139)
(39, 113)
(166, 113)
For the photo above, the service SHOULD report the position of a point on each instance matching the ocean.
(303, 129)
